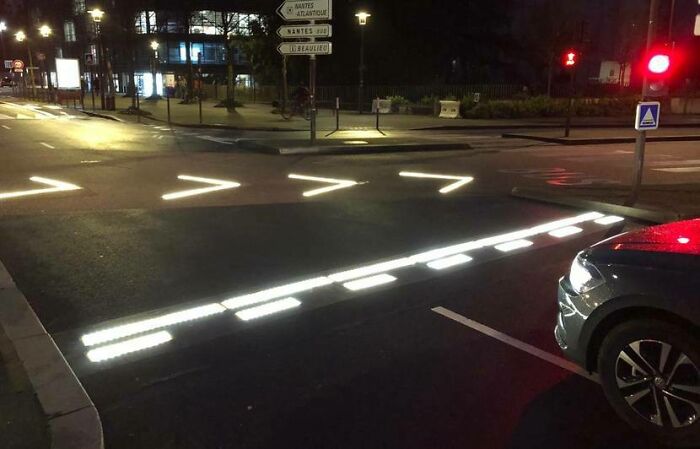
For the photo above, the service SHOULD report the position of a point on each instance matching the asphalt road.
(389, 366)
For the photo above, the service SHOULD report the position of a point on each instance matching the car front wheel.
(649, 372)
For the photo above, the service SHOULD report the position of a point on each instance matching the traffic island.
(656, 203)
(335, 147)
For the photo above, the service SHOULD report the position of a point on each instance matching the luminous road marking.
(461, 180)
(47, 145)
(447, 262)
(503, 238)
(268, 309)
(371, 269)
(679, 170)
(369, 282)
(56, 186)
(610, 219)
(512, 246)
(6, 127)
(276, 292)
(565, 232)
(128, 346)
(218, 184)
(358, 276)
(510, 341)
(339, 184)
(139, 327)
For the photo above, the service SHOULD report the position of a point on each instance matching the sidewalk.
(261, 117)
(22, 421)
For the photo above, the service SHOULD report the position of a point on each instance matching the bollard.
(337, 117)
(138, 106)
(167, 99)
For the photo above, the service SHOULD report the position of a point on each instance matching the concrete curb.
(268, 148)
(100, 115)
(227, 127)
(74, 422)
(543, 126)
(649, 216)
(600, 140)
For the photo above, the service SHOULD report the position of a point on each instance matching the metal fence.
(326, 95)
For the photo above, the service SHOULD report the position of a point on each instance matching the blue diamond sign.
(647, 118)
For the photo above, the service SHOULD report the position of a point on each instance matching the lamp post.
(3, 28)
(97, 15)
(362, 20)
(21, 37)
(45, 32)
(154, 94)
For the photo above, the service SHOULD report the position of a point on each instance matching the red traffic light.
(659, 63)
(570, 59)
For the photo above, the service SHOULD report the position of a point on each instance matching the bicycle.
(302, 109)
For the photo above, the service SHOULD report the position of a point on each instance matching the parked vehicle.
(629, 309)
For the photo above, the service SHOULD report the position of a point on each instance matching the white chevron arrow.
(461, 180)
(56, 186)
(217, 184)
(337, 184)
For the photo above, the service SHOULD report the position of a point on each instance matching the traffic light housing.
(658, 68)
(570, 59)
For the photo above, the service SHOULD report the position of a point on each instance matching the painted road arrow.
(297, 10)
(56, 186)
(461, 180)
(305, 31)
(217, 184)
(337, 184)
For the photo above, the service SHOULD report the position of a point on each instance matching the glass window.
(78, 7)
(206, 22)
(241, 23)
(69, 31)
(140, 26)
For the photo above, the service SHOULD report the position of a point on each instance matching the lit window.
(78, 7)
(69, 31)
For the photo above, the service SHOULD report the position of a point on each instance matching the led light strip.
(128, 346)
(339, 184)
(354, 279)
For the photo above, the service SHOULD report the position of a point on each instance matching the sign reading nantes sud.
(300, 10)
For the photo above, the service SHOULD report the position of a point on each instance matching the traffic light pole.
(640, 143)
(569, 110)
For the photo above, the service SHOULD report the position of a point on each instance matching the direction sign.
(299, 10)
(305, 48)
(305, 31)
(647, 117)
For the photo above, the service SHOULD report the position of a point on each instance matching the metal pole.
(671, 19)
(337, 117)
(285, 87)
(640, 143)
(92, 89)
(167, 99)
(361, 88)
(138, 105)
(31, 70)
(2, 42)
(569, 110)
(153, 75)
(312, 96)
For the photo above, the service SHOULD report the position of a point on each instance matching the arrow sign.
(461, 180)
(337, 184)
(56, 186)
(298, 10)
(305, 48)
(305, 31)
(217, 184)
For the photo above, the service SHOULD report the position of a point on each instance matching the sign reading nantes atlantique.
(300, 10)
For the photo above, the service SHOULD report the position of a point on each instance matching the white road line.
(339, 184)
(47, 145)
(214, 139)
(217, 184)
(510, 341)
(679, 170)
(6, 127)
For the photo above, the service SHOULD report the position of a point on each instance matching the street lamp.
(362, 20)
(45, 32)
(21, 37)
(97, 14)
(3, 28)
(154, 93)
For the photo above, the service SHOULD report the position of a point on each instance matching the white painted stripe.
(276, 292)
(679, 170)
(47, 145)
(674, 163)
(565, 232)
(512, 246)
(128, 346)
(6, 127)
(610, 219)
(268, 309)
(447, 262)
(369, 282)
(371, 269)
(215, 139)
(503, 338)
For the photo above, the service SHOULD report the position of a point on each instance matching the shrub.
(428, 100)
(398, 100)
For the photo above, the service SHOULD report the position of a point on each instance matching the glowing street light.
(3, 28)
(96, 15)
(45, 31)
(362, 20)
(154, 70)
(20, 36)
(154, 45)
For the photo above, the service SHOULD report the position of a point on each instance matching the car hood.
(682, 237)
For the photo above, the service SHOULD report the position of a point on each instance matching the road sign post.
(303, 11)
